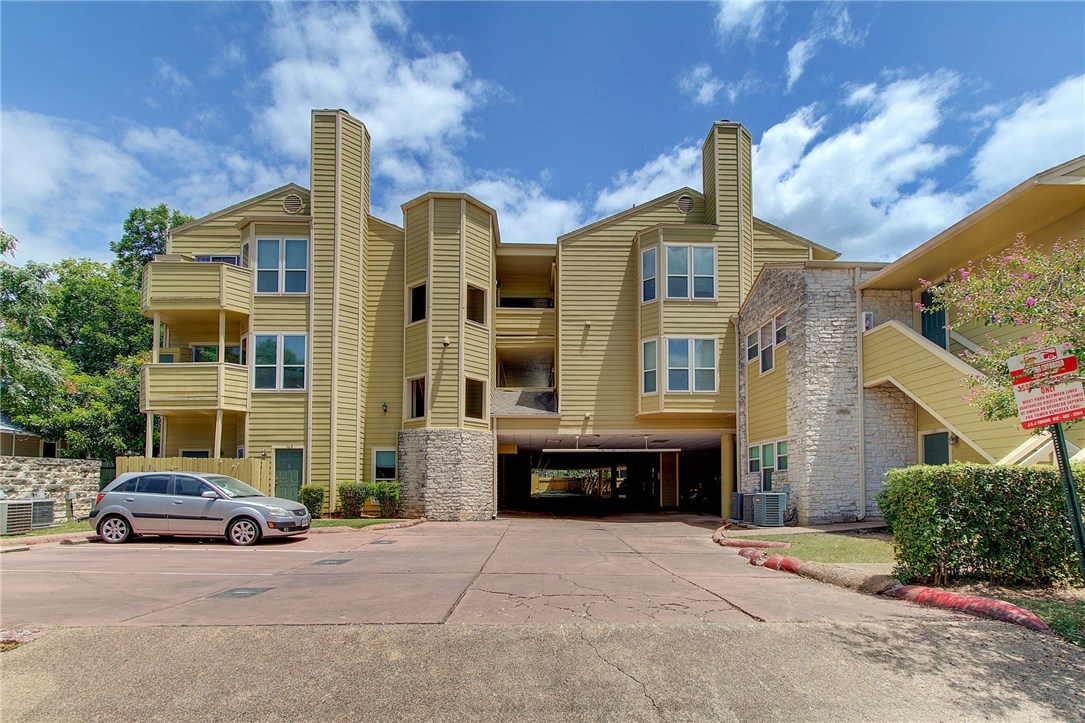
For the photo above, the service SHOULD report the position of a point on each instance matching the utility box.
(736, 506)
(769, 508)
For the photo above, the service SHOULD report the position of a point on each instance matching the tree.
(145, 233)
(1041, 292)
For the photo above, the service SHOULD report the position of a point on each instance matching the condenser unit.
(769, 508)
(747, 508)
(16, 516)
(736, 505)
(43, 513)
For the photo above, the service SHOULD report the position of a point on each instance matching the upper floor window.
(279, 361)
(474, 398)
(649, 354)
(282, 266)
(417, 310)
(219, 259)
(691, 365)
(763, 342)
(648, 275)
(416, 391)
(691, 272)
(476, 305)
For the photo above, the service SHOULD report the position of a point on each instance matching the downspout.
(859, 375)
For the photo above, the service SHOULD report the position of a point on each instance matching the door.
(288, 473)
(936, 448)
(149, 504)
(191, 514)
(934, 321)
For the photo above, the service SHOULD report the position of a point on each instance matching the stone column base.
(446, 474)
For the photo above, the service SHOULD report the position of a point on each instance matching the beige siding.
(773, 247)
(196, 287)
(931, 377)
(194, 386)
(477, 351)
(416, 219)
(281, 313)
(767, 400)
(649, 320)
(384, 331)
(524, 322)
(24, 445)
(525, 286)
(478, 256)
(277, 420)
(220, 234)
(445, 382)
(746, 211)
(417, 343)
(197, 433)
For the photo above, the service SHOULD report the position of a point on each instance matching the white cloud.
(170, 78)
(702, 86)
(831, 22)
(677, 167)
(1043, 131)
(525, 213)
(745, 19)
(864, 190)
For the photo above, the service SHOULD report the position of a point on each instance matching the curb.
(44, 539)
(720, 538)
(383, 526)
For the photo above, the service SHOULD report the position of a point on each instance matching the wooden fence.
(254, 471)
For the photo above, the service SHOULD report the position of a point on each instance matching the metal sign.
(1053, 402)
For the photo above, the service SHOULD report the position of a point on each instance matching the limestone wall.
(888, 436)
(24, 477)
(446, 474)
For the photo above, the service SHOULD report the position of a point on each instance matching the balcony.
(200, 386)
(525, 323)
(176, 287)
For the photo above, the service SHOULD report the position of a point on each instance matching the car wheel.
(243, 531)
(114, 529)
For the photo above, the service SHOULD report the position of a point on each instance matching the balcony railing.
(180, 285)
(524, 322)
(194, 386)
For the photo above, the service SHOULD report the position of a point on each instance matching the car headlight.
(276, 511)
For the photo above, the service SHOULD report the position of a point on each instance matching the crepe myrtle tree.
(1037, 290)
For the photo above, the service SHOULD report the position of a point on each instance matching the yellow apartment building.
(297, 327)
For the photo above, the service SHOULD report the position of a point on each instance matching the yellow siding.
(384, 328)
(478, 256)
(197, 432)
(525, 286)
(277, 420)
(220, 234)
(24, 445)
(961, 452)
(445, 382)
(773, 247)
(416, 219)
(476, 351)
(166, 387)
(417, 343)
(649, 403)
(524, 322)
(708, 171)
(649, 320)
(294, 230)
(931, 377)
(281, 313)
(193, 287)
(746, 211)
(767, 400)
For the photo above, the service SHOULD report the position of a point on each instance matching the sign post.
(1052, 403)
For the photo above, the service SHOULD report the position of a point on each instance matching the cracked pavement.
(522, 618)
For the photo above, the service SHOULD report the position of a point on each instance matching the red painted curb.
(986, 607)
(740, 542)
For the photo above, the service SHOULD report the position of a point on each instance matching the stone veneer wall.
(23, 477)
(777, 289)
(446, 474)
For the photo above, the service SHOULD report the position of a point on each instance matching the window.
(245, 255)
(49, 449)
(754, 454)
(474, 399)
(384, 465)
(476, 305)
(190, 486)
(224, 259)
(781, 455)
(210, 353)
(165, 357)
(153, 484)
(763, 342)
(417, 390)
(648, 275)
(682, 366)
(766, 459)
(691, 268)
(868, 320)
(780, 322)
(195, 453)
(282, 266)
(279, 361)
(417, 312)
(768, 356)
(751, 347)
(649, 353)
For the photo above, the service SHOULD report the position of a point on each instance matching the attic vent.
(685, 204)
(292, 203)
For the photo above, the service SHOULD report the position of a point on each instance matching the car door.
(149, 504)
(190, 512)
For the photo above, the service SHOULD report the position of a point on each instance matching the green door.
(933, 321)
(936, 448)
(288, 473)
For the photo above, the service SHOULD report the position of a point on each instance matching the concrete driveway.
(517, 570)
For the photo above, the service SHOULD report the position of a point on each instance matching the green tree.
(145, 233)
(1040, 291)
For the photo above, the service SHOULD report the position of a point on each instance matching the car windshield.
(233, 487)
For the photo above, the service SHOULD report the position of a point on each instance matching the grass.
(1062, 609)
(831, 547)
(78, 526)
(354, 522)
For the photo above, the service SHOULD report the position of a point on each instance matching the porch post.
(216, 447)
(727, 473)
(148, 442)
(222, 338)
(154, 340)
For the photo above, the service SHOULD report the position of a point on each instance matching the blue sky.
(875, 124)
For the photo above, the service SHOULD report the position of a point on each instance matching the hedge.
(1004, 524)
(312, 496)
(352, 497)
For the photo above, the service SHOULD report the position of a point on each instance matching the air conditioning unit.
(43, 513)
(769, 508)
(16, 516)
(736, 505)
(747, 508)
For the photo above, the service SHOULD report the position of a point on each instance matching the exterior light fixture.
(446, 341)
(384, 407)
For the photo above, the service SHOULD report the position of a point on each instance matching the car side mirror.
(210, 494)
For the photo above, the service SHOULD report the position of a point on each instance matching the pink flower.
(1030, 301)
(918, 305)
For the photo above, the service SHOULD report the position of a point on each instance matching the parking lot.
(662, 569)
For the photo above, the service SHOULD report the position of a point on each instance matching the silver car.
(195, 504)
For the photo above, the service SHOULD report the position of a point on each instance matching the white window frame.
(408, 401)
(281, 269)
(377, 451)
(652, 252)
(691, 369)
(279, 366)
(409, 306)
(654, 370)
(759, 448)
(485, 306)
(769, 331)
(691, 276)
(485, 397)
(219, 259)
(245, 259)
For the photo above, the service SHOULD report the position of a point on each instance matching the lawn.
(840, 548)
(78, 526)
(351, 522)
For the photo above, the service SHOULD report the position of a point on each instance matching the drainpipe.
(862, 436)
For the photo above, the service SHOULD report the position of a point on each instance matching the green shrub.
(1001, 523)
(352, 497)
(312, 496)
(386, 493)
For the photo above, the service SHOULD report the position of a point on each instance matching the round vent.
(685, 204)
(292, 203)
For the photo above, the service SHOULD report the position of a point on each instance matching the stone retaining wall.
(24, 477)
(446, 474)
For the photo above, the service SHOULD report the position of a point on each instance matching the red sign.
(1054, 402)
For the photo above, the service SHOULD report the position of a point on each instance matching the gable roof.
(301, 190)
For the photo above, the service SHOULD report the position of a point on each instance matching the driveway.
(628, 569)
